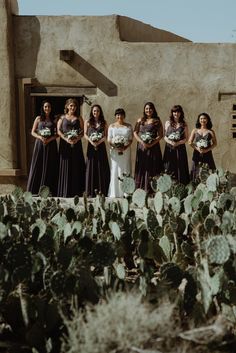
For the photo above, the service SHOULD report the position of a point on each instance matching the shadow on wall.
(89, 72)
(131, 30)
(26, 44)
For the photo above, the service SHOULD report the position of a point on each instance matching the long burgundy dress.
(97, 166)
(200, 158)
(71, 163)
(44, 163)
(175, 159)
(148, 161)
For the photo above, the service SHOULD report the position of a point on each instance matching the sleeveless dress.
(71, 163)
(44, 163)
(97, 166)
(120, 163)
(148, 161)
(199, 158)
(175, 159)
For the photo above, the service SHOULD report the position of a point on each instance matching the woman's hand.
(43, 139)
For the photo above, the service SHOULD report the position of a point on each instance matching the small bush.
(117, 324)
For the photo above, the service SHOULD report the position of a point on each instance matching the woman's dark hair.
(209, 123)
(154, 116)
(42, 112)
(101, 118)
(120, 111)
(177, 108)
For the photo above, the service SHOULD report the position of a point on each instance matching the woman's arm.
(35, 129)
(136, 131)
(86, 125)
(109, 135)
(191, 139)
(59, 132)
(167, 124)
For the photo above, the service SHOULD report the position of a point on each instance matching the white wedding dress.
(120, 163)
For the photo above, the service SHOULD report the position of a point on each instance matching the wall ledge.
(11, 172)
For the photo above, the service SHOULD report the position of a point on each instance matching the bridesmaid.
(148, 132)
(202, 140)
(70, 128)
(175, 158)
(97, 165)
(44, 164)
(120, 137)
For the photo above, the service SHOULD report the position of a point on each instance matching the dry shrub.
(117, 324)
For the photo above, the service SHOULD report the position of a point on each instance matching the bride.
(120, 137)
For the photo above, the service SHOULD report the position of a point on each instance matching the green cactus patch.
(103, 254)
(139, 198)
(128, 185)
(218, 250)
(164, 183)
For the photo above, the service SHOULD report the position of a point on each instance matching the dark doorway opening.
(58, 104)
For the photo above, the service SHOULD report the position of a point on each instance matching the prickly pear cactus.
(128, 185)
(57, 283)
(158, 201)
(164, 183)
(210, 222)
(175, 204)
(204, 172)
(17, 193)
(180, 191)
(44, 192)
(151, 221)
(226, 201)
(196, 218)
(139, 198)
(188, 204)
(115, 229)
(171, 273)
(218, 250)
(166, 246)
(103, 254)
(212, 182)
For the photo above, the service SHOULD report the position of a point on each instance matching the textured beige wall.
(190, 74)
(8, 155)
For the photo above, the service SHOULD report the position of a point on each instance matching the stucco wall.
(190, 74)
(8, 142)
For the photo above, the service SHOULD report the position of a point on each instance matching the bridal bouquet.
(95, 137)
(174, 136)
(120, 142)
(147, 137)
(202, 144)
(46, 132)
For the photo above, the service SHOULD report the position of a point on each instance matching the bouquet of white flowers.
(72, 134)
(202, 143)
(95, 137)
(147, 137)
(120, 141)
(174, 136)
(46, 132)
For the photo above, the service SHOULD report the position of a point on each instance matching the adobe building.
(114, 61)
